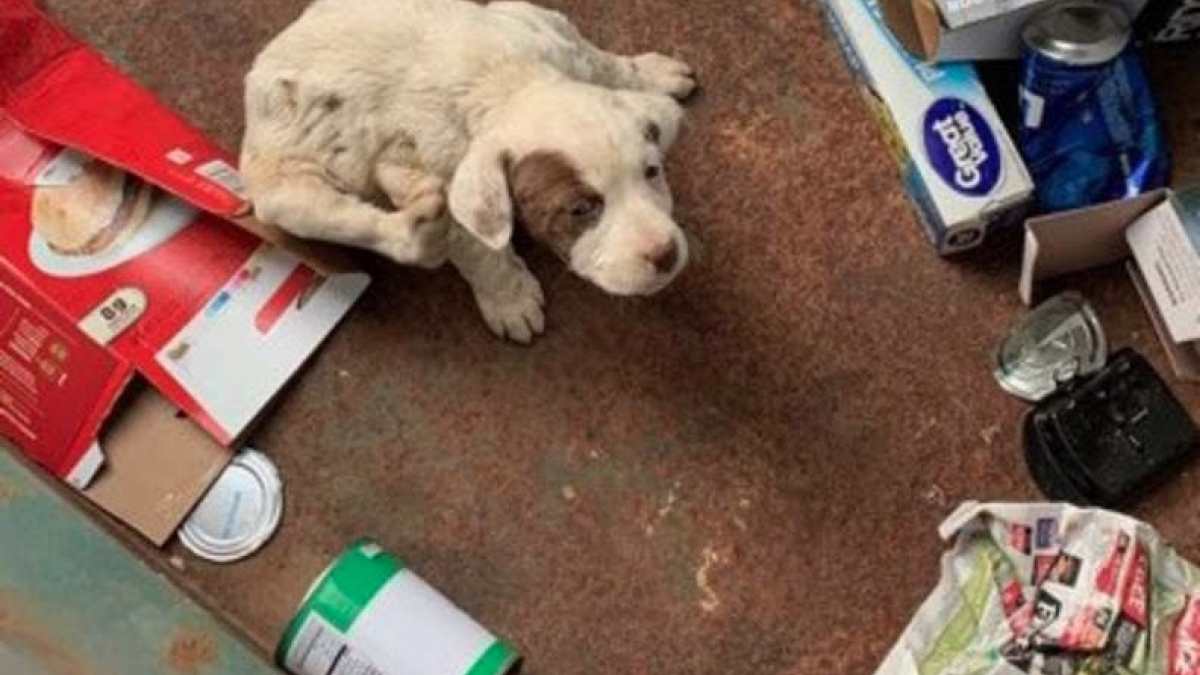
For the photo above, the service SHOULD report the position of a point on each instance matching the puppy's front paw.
(665, 75)
(417, 235)
(516, 311)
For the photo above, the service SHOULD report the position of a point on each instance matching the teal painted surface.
(74, 601)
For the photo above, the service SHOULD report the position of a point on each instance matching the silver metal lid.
(1078, 33)
(239, 513)
(1059, 340)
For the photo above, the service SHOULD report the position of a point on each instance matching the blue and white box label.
(961, 168)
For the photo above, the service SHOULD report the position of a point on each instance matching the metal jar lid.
(1078, 33)
(1059, 340)
(239, 513)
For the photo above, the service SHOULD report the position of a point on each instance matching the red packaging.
(114, 228)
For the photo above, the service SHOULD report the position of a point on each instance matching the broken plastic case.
(1101, 430)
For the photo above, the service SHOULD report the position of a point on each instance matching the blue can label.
(961, 147)
(1089, 133)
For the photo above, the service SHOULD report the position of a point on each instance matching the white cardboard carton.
(1155, 231)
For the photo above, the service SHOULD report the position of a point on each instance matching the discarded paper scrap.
(1050, 589)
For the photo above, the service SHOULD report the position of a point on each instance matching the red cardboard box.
(118, 257)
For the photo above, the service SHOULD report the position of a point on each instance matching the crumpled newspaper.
(1050, 589)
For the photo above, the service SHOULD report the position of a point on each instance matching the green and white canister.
(367, 614)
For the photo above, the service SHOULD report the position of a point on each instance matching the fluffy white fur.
(365, 118)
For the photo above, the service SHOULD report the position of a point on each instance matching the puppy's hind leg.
(508, 295)
(423, 196)
(307, 204)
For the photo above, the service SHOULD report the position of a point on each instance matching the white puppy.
(365, 117)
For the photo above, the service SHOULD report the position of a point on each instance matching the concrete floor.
(743, 475)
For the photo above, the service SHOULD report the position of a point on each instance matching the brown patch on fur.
(546, 187)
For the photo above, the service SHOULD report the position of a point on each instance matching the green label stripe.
(497, 659)
(348, 586)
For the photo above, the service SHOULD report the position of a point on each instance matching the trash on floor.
(1155, 230)
(157, 465)
(1089, 128)
(368, 614)
(1050, 589)
(959, 164)
(121, 262)
(240, 512)
(1058, 341)
(1088, 125)
(1102, 430)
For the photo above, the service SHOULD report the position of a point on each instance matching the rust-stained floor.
(740, 476)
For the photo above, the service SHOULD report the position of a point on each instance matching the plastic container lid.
(1059, 340)
(239, 513)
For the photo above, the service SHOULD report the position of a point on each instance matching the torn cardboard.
(1074, 241)
(118, 258)
(158, 465)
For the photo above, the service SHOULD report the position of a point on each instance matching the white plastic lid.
(239, 513)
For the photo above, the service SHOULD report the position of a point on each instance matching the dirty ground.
(742, 475)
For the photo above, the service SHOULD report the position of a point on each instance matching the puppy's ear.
(478, 195)
(660, 116)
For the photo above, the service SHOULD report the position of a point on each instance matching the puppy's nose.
(664, 257)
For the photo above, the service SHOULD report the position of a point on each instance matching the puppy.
(366, 119)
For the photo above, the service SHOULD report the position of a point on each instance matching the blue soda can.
(1089, 125)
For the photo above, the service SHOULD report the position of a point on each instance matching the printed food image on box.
(215, 318)
(88, 217)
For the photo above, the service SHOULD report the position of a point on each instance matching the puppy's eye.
(586, 208)
(653, 172)
(653, 132)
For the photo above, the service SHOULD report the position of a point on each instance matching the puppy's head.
(582, 168)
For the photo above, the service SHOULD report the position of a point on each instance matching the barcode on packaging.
(320, 649)
(223, 174)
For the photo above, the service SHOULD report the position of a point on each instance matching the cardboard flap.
(1183, 356)
(327, 259)
(929, 25)
(58, 386)
(158, 465)
(914, 23)
(1073, 241)
(27, 43)
(123, 124)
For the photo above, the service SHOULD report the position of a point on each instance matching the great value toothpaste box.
(120, 263)
(959, 164)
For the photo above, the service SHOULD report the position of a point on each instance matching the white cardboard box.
(1150, 232)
